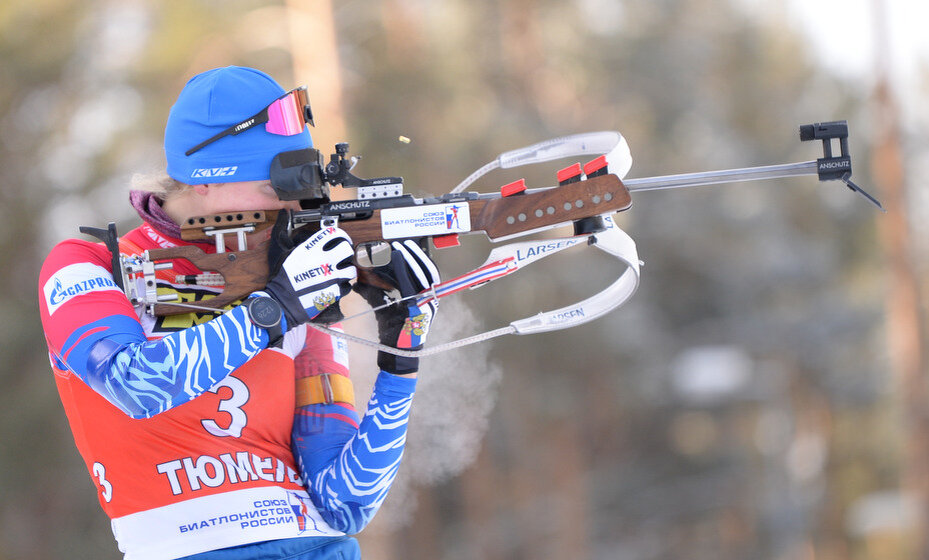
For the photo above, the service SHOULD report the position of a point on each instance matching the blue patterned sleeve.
(93, 331)
(349, 468)
(143, 378)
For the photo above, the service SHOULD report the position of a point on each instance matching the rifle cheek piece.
(298, 175)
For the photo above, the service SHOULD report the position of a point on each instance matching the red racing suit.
(187, 423)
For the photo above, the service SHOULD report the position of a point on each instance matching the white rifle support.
(505, 259)
(612, 240)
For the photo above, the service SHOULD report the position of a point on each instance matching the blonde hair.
(161, 184)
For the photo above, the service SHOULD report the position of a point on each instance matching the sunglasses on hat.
(285, 116)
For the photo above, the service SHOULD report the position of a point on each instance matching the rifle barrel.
(725, 176)
(642, 184)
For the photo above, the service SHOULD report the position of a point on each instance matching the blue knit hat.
(208, 104)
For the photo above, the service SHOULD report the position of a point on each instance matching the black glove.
(402, 324)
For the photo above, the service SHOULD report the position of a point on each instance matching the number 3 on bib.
(232, 406)
(106, 489)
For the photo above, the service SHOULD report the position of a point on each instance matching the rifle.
(585, 198)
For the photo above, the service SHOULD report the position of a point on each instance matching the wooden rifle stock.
(243, 272)
(499, 217)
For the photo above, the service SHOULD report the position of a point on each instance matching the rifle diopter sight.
(302, 175)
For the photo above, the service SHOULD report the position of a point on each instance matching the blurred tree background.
(761, 396)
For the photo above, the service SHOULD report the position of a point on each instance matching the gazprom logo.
(215, 171)
(74, 280)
